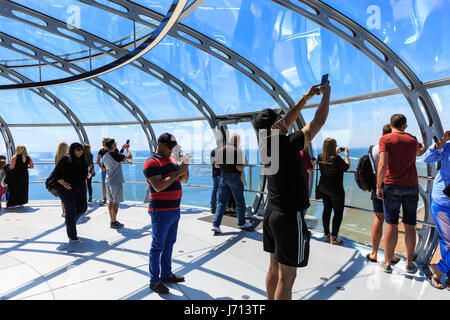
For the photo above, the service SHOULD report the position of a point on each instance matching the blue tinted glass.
(414, 30)
(91, 104)
(26, 107)
(42, 147)
(291, 49)
(156, 99)
(224, 88)
(82, 16)
(39, 38)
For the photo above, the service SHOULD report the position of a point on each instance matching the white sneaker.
(74, 241)
(246, 225)
(216, 229)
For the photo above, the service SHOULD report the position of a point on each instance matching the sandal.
(370, 259)
(430, 277)
(326, 238)
(395, 259)
(336, 241)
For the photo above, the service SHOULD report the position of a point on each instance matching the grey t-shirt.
(112, 163)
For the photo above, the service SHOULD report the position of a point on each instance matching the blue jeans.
(164, 235)
(230, 184)
(441, 216)
(396, 196)
(214, 192)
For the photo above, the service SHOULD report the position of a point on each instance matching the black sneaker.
(159, 287)
(173, 278)
(116, 225)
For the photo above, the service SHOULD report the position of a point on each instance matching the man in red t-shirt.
(397, 169)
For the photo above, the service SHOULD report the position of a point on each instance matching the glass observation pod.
(80, 71)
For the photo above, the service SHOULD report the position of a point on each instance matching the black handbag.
(51, 184)
(318, 194)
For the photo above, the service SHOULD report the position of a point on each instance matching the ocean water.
(356, 224)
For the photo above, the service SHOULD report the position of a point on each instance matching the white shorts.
(114, 192)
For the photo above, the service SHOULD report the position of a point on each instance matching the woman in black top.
(331, 187)
(18, 177)
(71, 173)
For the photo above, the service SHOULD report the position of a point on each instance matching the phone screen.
(324, 79)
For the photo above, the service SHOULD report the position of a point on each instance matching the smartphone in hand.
(324, 80)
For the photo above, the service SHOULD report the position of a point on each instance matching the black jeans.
(75, 203)
(89, 186)
(332, 201)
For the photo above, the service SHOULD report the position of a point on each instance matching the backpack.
(364, 176)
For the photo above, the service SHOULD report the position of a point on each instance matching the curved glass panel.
(156, 99)
(413, 29)
(441, 99)
(99, 22)
(12, 58)
(224, 88)
(26, 107)
(39, 38)
(91, 104)
(294, 51)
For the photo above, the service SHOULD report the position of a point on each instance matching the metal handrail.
(246, 165)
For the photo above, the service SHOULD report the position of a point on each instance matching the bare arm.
(160, 184)
(347, 157)
(421, 150)
(293, 113)
(311, 129)
(31, 165)
(185, 176)
(13, 163)
(64, 184)
(443, 140)
(382, 167)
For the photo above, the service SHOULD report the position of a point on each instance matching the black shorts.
(286, 235)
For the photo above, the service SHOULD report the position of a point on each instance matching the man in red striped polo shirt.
(164, 176)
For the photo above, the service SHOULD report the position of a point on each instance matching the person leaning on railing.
(440, 209)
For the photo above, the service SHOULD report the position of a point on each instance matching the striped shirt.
(169, 198)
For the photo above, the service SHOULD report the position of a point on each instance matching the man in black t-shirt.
(285, 234)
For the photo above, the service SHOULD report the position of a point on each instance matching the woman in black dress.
(18, 178)
(331, 187)
(71, 173)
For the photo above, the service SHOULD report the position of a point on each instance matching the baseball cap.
(168, 139)
(266, 118)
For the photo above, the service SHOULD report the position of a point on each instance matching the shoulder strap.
(372, 159)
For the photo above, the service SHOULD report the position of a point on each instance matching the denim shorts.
(377, 203)
(396, 196)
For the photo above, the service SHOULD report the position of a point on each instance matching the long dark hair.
(76, 146)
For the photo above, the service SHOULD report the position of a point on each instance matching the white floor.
(37, 263)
